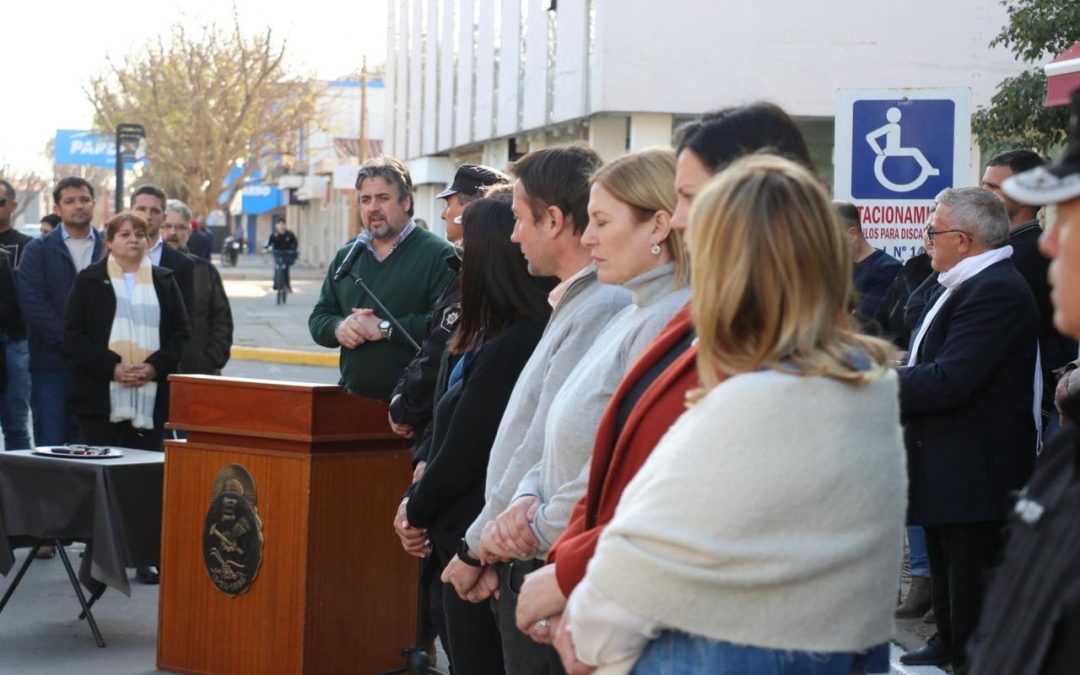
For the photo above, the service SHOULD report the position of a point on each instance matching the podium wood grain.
(335, 593)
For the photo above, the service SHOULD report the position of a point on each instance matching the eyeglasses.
(3, 202)
(931, 232)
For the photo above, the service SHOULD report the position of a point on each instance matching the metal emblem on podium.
(232, 536)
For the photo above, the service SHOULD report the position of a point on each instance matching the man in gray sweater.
(550, 203)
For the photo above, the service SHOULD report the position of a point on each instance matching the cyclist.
(283, 244)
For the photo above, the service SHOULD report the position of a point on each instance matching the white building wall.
(447, 76)
(534, 84)
(484, 110)
(571, 60)
(416, 73)
(463, 111)
(431, 79)
(679, 57)
(508, 87)
(689, 56)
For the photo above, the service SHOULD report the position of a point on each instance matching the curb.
(327, 359)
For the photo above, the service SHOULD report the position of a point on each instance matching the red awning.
(1063, 77)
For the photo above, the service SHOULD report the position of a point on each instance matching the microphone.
(363, 240)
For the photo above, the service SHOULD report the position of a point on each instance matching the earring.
(655, 249)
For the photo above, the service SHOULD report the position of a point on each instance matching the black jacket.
(424, 380)
(87, 325)
(211, 323)
(893, 317)
(183, 269)
(1056, 349)
(11, 322)
(451, 493)
(1030, 623)
(967, 402)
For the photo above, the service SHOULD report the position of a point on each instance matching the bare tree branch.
(209, 101)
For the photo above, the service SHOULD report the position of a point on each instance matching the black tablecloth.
(114, 505)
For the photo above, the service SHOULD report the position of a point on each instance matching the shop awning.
(1063, 77)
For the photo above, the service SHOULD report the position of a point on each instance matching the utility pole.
(362, 151)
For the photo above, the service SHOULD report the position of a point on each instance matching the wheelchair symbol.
(891, 132)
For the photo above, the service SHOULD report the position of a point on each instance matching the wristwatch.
(386, 329)
(463, 554)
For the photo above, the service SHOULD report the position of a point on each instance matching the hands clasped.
(510, 535)
(134, 374)
(360, 326)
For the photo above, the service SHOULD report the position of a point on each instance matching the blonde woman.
(632, 245)
(763, 534)
(125, 327)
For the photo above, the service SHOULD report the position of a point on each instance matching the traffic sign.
(895, 150)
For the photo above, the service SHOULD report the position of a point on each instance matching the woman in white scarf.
(125, 327)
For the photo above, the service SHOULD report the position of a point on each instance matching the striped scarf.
(134, 336)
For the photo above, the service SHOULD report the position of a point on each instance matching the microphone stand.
(382, 308)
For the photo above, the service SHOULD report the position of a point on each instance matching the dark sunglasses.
(3, 202)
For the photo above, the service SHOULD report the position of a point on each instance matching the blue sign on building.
(902, 149)
(255, 197)
(85, 147)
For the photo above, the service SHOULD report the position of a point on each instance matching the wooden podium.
(334, 593)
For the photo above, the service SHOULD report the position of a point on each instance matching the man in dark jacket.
(874, 270)
(45, 276)
(15, 399)
(967, 401)
(207, 350)
(1055, 350)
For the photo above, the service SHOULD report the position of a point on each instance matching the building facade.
(488, 80)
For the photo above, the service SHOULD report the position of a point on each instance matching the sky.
(52, 49)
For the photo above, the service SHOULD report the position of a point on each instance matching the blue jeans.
(920, 563)
(677, 653)
(48, 399)
(15, 404)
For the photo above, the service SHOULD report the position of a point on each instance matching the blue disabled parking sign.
(901, 149)
(895, 150)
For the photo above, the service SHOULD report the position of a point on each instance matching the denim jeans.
(677, 653)
(48, 399)
(521, 655)
(920, 563)
(15, 404)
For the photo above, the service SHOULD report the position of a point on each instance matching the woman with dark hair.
(503, 313)
(125, 327)
(652, 394)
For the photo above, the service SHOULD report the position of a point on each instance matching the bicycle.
(282, 261)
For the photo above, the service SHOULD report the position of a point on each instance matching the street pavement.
(39, 629)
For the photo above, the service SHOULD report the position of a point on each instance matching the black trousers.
(467, 630)
(98, 430)
(960, 557)
(523, 656)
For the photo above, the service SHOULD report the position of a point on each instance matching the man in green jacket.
(404, 266)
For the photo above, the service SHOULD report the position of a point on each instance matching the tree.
(28, 185)
(1037, 31)
(209, 103)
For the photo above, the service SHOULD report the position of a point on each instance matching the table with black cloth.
(114, 505)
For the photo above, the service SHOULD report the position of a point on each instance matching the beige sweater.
(771, 514)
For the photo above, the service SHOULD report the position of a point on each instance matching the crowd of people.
(669, 413)
(94, 321)
(672, 412)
